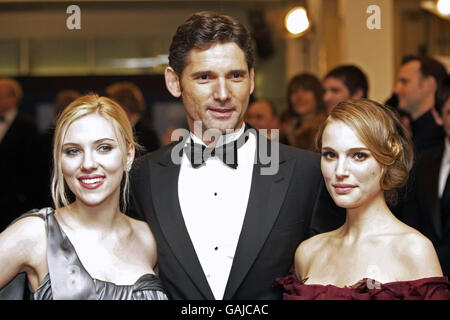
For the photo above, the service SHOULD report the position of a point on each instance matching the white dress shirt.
(4, 125)
(213, 200)
(445, 167)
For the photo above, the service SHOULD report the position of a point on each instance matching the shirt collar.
(10, 115)
(223, 139)
(446, 157)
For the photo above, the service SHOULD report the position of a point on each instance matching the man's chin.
(402, 106)
(223, 126)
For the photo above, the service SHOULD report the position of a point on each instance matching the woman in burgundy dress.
(366, 155)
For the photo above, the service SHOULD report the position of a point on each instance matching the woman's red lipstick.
(91, 182)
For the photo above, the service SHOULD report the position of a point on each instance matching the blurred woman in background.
(306, 110)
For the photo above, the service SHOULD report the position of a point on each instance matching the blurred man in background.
(418, 80)
(262, 114)
(20, 186)
(130, 97)
(342, 83)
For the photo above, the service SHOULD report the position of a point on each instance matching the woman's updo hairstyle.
(380, 129)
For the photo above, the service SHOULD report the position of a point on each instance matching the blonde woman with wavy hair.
(85, 248)
(366, 155)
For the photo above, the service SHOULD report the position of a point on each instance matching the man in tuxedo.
(225, 226)
(20, 187)
(418, 80)
(428, 206)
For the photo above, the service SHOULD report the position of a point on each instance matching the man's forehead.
(334, 82)
(216, 50)
(411, 68)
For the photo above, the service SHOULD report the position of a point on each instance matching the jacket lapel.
(266, 197)
(168, 211)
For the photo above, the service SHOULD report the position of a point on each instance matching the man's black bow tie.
(198, 153)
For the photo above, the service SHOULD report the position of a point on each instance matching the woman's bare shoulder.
(417, 252)
(316, 242)
(308, 250)
(29, 229)
(141, 230)
(27, 237)
(143, 240)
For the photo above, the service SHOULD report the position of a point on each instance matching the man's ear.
(437, 117)
(172, 82)
(252, 79)
(430, 83)
(358, 94)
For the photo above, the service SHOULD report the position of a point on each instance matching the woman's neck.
(104, 217)
(369, 219)
(307, 116)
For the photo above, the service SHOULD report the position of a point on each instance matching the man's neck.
(426, 105)
(215, 138)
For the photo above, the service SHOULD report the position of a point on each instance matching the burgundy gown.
(435, 288)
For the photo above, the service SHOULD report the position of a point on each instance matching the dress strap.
(42, 213)
(69, 279)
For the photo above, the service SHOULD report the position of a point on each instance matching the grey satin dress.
(68, 279)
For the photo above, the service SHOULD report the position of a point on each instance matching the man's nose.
(397, 87)
(221, 92)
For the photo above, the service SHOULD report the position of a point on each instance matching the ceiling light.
(443, 7)
(297, 21)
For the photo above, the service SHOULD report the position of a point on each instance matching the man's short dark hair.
(352, 77)
(201, 31)
(442, 94)
(428, 67)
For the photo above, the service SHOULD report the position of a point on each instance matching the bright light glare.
(443, 7)
(297, 20)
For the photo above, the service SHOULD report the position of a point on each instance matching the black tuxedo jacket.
(422, 210)
(283, 210)
(146, 136)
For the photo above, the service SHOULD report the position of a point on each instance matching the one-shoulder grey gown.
(68, 279)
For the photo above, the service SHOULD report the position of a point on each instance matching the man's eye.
(237, 75)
